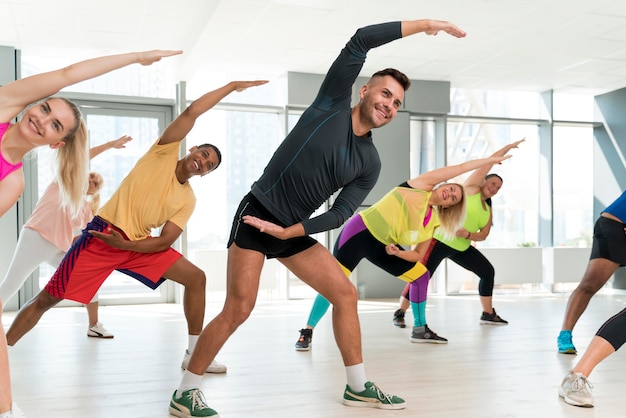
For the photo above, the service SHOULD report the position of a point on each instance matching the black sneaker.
(426, 335)
(398, 318)
(305, 340)
(492, 319)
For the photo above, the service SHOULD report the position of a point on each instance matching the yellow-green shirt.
(150, 195)
(398, 218)
(476, 218)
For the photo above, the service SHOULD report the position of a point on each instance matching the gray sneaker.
(576, 390)
(424, 334)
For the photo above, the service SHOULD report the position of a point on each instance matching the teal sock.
(320, 306)
(419, 313)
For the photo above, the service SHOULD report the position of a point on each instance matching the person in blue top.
(608, 253)
(329, 149)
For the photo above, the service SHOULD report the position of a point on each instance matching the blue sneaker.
(566, 346)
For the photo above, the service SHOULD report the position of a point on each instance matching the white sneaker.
(98, 331)
(576, 390)
(214, 367)
(16, 412)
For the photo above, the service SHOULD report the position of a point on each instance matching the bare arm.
(431, 178)
(116, 143)
(414, 255)
(430, 27)
(15, 96)
(478, 176)
(476, 236)
(169, 233)
(181, 126)
(274, 230)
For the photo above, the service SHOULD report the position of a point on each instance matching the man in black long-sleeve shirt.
(329, 149)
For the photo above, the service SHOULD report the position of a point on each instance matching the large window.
(515, 207)
(247, 140)
(573, 186)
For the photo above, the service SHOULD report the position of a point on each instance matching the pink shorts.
(90, 261)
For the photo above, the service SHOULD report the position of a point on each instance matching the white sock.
(193, 339)
(189, 381)
(356, 377)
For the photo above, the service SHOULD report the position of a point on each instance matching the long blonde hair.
(72, 163)
(451, 218)
(94, 201)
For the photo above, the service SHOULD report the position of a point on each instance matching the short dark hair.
(399, 76)
(216, 150)
(490, 175)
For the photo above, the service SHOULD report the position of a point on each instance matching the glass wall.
(247, 140)
(515, 207)
(573, 186)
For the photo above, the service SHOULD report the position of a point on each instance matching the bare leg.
(29, 315)
(404, 303)
(597, 274)
(598, 350)
(242, 285)
(319, 269)
(194, 300)
(487, 303)
(5, 378)
(92, 312)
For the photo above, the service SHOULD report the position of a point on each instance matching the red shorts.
(90, 261)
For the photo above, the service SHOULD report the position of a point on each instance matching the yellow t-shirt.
(398, 218)
(476, 218)
(150, 195)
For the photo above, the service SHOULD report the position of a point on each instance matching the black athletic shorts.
(250, 238)
(609, 240)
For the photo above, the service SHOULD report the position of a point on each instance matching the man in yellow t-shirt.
(156, 193)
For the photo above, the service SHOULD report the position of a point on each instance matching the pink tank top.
(6, 167)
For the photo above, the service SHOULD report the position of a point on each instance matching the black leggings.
(470, 259)
(613, 330)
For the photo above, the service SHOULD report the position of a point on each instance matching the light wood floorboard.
(484, 371)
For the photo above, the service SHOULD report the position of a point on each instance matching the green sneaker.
(372, 397)
(191, 404)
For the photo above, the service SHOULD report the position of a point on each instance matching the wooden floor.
(484, 371)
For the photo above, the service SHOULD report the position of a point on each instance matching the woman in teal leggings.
(406, 216)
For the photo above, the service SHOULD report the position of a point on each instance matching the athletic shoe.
(564, 341)
(424, 334)
(305, 341)
(398, 318)
(99, 331)
(214, 367)
(16, 412)
(191, 404)
(372, 397)
(576, 390)
(492, 319)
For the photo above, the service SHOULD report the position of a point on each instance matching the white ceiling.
(571, 46)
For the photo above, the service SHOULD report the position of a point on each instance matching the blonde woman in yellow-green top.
(480, 187)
